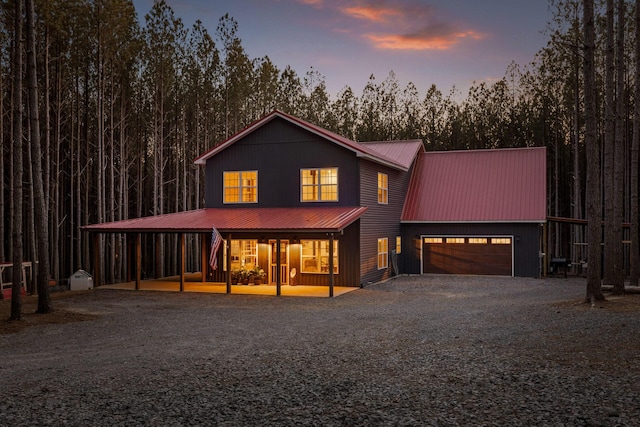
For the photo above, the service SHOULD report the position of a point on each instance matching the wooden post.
(227, 245)
(545, 258)
(138, 260)
(203, 256)
(331, 278)
(96, 260)
(278, 268)
(181, 262)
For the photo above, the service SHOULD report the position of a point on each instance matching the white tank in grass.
(80, 281)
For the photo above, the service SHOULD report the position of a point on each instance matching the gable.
(360, 150)
(502, 185)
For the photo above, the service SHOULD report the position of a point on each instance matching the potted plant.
(235, 276)
(258, 274)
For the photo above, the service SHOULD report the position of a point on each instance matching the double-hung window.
(383, 189)
(383, 253)
(319, 185)
(240, 187)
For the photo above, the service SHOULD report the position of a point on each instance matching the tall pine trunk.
(594, 217)
(635, 146)
(39, 207)
(17, 162)
(609, 143)
(618, 158)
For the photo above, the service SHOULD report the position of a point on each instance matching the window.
(455, 240)
(240, 187)
(501, 241)
(478, 240)
(433, 239)
(319, 185)
(398, 244)
(383, 253)
(315, 256)
(383, 189)
(244, 253)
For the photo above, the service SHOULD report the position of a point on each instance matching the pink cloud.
(400, 25)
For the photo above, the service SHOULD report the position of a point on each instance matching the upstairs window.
(240, 187)
(383, 189)
(319, 185)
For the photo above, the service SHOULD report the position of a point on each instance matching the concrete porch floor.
(193, 283)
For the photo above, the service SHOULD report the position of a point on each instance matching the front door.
(284, 261)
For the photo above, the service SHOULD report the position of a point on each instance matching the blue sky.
(443, 42)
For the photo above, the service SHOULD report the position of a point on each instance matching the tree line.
(102, 114)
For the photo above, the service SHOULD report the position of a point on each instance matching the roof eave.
(494, 221)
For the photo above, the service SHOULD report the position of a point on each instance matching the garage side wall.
(526, 241)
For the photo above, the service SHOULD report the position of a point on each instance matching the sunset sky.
(441, 42)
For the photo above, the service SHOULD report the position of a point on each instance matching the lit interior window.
(240, 187)
(319, 185)
(315, 256)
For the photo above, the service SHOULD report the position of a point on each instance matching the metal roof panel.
(316, 219)
(501, 185)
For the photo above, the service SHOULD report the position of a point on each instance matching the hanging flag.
(216, 241)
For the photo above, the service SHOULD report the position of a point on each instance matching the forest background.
(113, 110)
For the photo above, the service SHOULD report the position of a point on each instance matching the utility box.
(80, 281)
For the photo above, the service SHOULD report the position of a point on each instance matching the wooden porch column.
(278, 268)
(138, 260)
(203, 256)
(331, 278)
(181, 262)
(96, 259)
(227, 244)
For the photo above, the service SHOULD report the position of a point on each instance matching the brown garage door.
(467, 255)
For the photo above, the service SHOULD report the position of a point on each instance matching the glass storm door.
(284, 261)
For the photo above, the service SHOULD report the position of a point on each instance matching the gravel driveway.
(435, 351)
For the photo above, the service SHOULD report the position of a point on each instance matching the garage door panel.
(467, 258)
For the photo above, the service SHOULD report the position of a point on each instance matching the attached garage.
(467, 255)
(476, 212)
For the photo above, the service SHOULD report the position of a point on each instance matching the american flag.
(216, 241)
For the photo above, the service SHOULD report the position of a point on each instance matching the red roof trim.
(310, 219)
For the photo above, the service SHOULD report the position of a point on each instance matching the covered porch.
(274, 239)
(193, 283)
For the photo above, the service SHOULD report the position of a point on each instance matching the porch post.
(278, 268)
(228, 246)
(203, 256)
(181, 262)
(331, 278)
(138, 261)
(96, 259)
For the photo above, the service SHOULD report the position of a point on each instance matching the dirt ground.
(614, 303)
(30, 318)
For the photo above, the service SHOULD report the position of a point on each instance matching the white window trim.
(240, 201)
(385, 189)
(319, 200)
(386, 254)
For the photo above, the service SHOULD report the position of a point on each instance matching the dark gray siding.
(379, 221)
(526, 243)
(278, 150)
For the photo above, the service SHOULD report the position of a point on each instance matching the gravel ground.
(434, 351)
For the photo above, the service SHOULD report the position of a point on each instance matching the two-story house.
(312, 207)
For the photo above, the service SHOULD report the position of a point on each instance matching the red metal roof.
(502, 185)
(361, 150)
(402, 152)
(316, 219)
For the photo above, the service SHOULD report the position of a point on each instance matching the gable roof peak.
(361, 150)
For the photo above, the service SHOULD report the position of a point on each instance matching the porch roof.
(310, 219)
